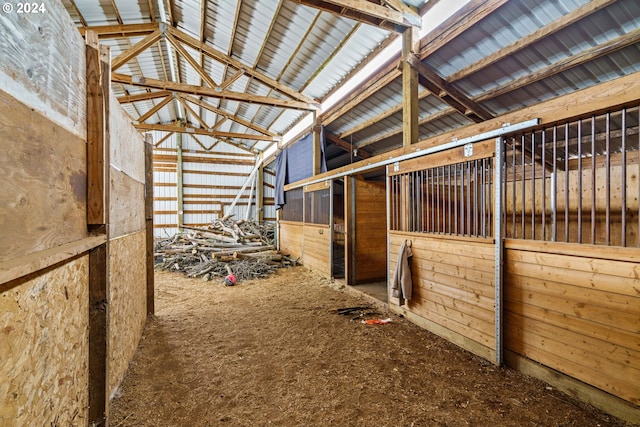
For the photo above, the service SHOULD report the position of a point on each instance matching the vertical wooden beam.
(148, 212)
(179, 181)
(260, 189)
(317, 152)
(98, 86)
(410, 45)
(96, 207)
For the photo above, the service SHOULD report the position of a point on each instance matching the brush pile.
(247, 247)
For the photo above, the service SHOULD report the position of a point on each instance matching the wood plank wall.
(453, 288)
(370, 231)
(577, 311)
(317, 244)
(290, 238)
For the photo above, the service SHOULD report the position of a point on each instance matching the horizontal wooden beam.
(143, 96)
(368, 13)
(362, 153)
(200, 131)
(211, 92)
(130, 30)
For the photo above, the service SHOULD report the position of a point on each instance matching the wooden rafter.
(430, 79)
(383, 115)
(213, 93)
(113, 31)
(229, 116)
(200, 131)
(368, 12)
(339, 142)
(557, 25)
(143, 96)
(220, 57)
(595, 52)
(468, 16)
(196, 66)
(163, 139)
(155, 109)
(135, 50)
(193, 113)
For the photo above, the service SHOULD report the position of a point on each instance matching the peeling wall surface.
(44, 347)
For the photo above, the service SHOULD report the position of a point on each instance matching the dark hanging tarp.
(281, 178)
(295, 163)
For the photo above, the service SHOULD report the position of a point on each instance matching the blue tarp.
(294, 163)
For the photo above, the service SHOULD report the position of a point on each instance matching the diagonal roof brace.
(429, 78)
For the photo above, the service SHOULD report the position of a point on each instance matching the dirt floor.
(274, 352)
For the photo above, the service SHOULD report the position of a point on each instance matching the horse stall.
(551, 285)
(74, 273)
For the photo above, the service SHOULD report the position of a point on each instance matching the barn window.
(575, 181)
(317, 206)
(293, 209)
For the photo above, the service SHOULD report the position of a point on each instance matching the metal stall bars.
(571, 181)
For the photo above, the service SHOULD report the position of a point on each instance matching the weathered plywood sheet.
(127, 302)
(579, 315)
(317, 247)
(453, 284)
(290, 238)
(43, 64)
(126, 143)
(126, 210)
(44, 342)
(43, 199)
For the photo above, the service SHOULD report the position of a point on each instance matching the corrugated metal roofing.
(312, 52)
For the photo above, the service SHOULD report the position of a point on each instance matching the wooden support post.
(148, 212)
(179, 180)
(98, 86)
(260, 189)
(317, 151)
(410, 46)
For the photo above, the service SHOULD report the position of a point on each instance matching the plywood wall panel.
(126, 143)
(127, 302)
(43, 200)
(44, 342)
(126, 210)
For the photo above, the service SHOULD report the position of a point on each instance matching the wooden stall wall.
(370, 226)
(453, 288)
(317, 246)
(127, 243)
(576, 309)
(43, 239)
(291, 238)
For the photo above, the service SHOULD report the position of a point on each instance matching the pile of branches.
(246, 247)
